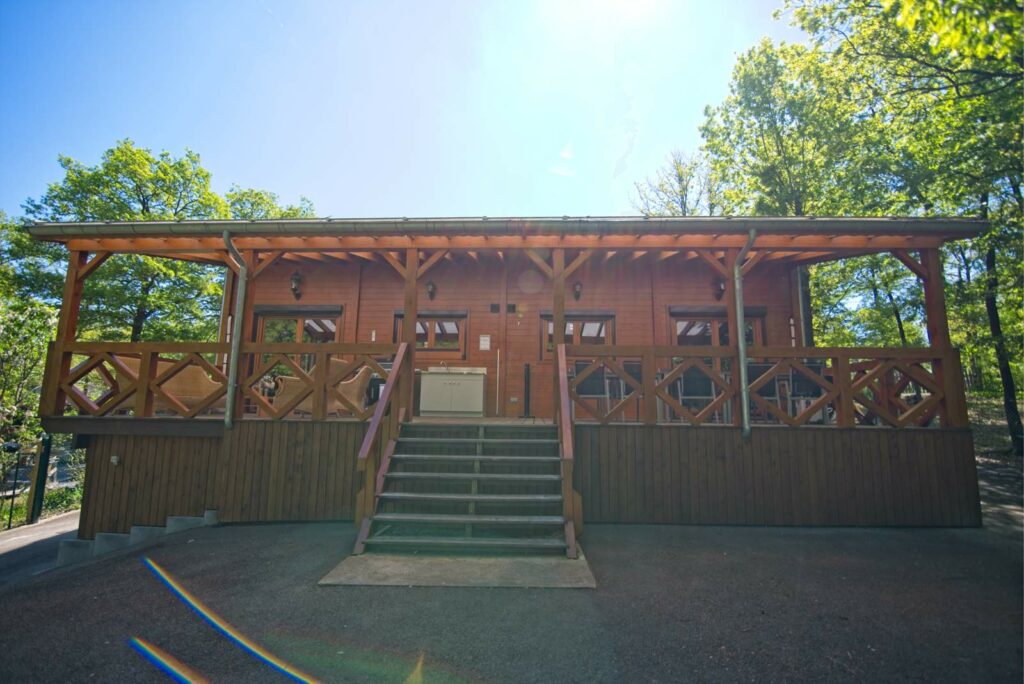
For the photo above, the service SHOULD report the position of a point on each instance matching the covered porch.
(678, 412)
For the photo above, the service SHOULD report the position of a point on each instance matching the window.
(438, 335)
(710, 331)
(579, 329)
(313, 326)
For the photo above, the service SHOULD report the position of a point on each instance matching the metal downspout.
(741, 325)
(236, 332)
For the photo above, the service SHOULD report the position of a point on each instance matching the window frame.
(430, 319)
(715, 322)
(577, 319)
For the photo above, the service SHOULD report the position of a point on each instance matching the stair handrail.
(570, 512)
(564, 406)
(373, 431)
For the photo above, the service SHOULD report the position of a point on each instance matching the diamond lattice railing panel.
(281, 379)
(347, 383)
(100, 384)
(189, 385)
(896, 393)
(794, 393)
(610, 369)
(701, 393)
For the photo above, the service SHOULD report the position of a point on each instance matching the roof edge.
(952, 226)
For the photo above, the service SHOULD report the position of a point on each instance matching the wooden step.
(468, 542)
(491, 477)
(455, 519)
(477, 498)
(470, 440)
(469, 458)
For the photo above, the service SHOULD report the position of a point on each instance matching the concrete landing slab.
(401, 570)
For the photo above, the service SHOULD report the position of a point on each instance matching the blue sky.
(375, 108)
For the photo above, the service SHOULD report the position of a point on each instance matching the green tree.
(130, 297)
(686, 186)
(25, 327)
(258, 205)
(945, 77)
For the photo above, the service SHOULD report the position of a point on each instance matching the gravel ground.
(672, 604)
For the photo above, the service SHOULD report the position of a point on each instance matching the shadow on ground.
(672, 603)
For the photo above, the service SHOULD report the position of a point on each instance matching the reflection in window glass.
(446, 335)
(422, 338)
(318, 330)
(277, 330)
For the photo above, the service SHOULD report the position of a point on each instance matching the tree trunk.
(898, 317)
(1013, 422)
(138, 320)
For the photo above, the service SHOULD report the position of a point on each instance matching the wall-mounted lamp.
(296, 285)
(431, 290)
(577, 290)
(718, 285)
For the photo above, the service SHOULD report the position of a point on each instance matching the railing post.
(953, 387)
(844, 401)
(649, 409)
(320, 372)
(143, 387)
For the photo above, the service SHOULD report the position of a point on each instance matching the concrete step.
(74, 551)
(505, 543)
(139, 534)
(106, 542)
(179, 523)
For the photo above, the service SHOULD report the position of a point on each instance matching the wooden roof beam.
(613, 242)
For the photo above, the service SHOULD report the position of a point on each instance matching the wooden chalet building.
(407, 374)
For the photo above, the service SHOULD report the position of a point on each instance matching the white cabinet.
(452, 392)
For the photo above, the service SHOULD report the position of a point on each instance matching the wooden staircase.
(471, 488)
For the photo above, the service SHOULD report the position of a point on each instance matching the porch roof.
(797, 240)
(943, 227)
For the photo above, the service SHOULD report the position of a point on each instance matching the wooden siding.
(259, 471)
(780, 476)
(299, 470)
(639, 291)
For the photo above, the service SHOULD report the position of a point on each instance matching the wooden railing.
(189, 380)
(380, 439)
(791, 386)
(571, 503)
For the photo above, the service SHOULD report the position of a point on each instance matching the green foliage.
(25, 327)
(134, 297)
(685, 187)
(979, 29)
(258, 205)
(129, 297)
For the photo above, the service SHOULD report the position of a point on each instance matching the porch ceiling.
(795, 239)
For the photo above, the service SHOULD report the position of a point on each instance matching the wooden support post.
(953, 410)
(557, 315)
(732, 324)
(246, 366)
(502, 375)
(59, 362)
(935, 299)
(409, 315)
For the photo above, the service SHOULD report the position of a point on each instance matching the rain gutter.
(741, 333)
(236, 331)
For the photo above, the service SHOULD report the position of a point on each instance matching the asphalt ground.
(672, 604)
